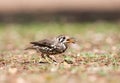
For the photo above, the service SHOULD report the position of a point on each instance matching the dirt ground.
(94, 58)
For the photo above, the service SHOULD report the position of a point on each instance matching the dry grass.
(95, 57)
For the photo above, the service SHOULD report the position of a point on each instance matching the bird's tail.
(34, 43)
(30, 47)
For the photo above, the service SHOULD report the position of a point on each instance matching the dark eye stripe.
(61, 39)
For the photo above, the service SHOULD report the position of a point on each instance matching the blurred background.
(37, 19)
(95, 24)
(62, 10)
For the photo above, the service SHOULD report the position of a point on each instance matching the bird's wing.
(43, 43)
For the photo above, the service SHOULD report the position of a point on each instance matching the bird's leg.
(38, 53)
(44, 58)
(40, 59)
(42, 55)
(51, 58)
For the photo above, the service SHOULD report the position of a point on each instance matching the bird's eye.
(61, 39)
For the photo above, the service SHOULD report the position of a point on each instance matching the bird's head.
(65, 39)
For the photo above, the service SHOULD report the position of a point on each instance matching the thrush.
(54, 46)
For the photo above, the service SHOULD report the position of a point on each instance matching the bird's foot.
(50, 59)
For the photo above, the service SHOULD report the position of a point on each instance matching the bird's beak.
(70, 40)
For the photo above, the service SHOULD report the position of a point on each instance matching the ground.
(94, 58)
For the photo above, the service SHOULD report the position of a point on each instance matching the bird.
(54, 46)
